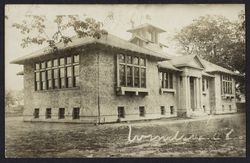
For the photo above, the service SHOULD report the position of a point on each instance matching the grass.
(24, 139)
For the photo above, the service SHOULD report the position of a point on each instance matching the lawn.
(217, 136)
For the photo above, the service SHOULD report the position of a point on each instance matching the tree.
(217, 40)
(9, 98)
(34, 29)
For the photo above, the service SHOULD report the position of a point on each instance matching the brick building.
(111, 79)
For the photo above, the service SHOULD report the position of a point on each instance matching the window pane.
(43, 76)
(171, 80)
(129, 76)
(56, 83)
(62, 61)
(49, 64)
(69, 60)
(62, 81)
(62, 72)
(55, 73)
(121, 58)
(136, 61)
(55, 62)
(76, 58)
(37, 76)
(76, 70)
(37, 66)
(166, 80)
(69, 71)
(43, 65)
(136, 76)
(143, 72)
(143, 77)
(38, 86)
(129, 59)
(49, 74)
(143, 82)
(69, 82)
(49, 84)
(43, 85)
(122, 75)
(142, 62)
(76, 81)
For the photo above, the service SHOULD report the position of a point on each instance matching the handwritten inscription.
(175, 138)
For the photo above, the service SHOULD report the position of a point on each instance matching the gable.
(195, 62)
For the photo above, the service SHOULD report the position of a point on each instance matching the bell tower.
(146, 35)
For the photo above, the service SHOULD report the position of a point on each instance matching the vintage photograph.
(119, 80)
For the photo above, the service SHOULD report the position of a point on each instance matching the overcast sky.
(169, 17)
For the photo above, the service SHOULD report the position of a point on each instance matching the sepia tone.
(109, 80)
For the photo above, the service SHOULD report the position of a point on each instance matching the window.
(57, 73)
(43, 84)
(230, 108)
(171, 109)
(132, 71)
(121, 112)
(163, 111)
(76, 113)
(49, 79)
(142, 111)
(36, 113)
(223, 108)
(166, 79)
(61, 114)
(226, 84)
(76, 74)
(37, 79)
(48, 113)
(69, 77)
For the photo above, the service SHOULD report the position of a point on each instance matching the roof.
(187, 61)
(210, 67)
(167, 65)
(146, 25)
(140, 38)
(108, 39)
(206, 74)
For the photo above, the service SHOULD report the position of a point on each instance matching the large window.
(132, 71)
(166, 79)
(57, 73)
(76, 113)
(227, 84)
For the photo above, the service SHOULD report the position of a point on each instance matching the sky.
(116, 20)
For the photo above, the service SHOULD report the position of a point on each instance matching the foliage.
(34, 29)
(217, 40)
(9, 98)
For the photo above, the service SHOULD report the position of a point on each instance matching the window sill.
(165, 90)
(58, 89)
(136, 91)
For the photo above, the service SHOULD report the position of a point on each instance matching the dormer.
(146, 32)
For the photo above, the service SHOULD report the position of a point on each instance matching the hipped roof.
(109, 40)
